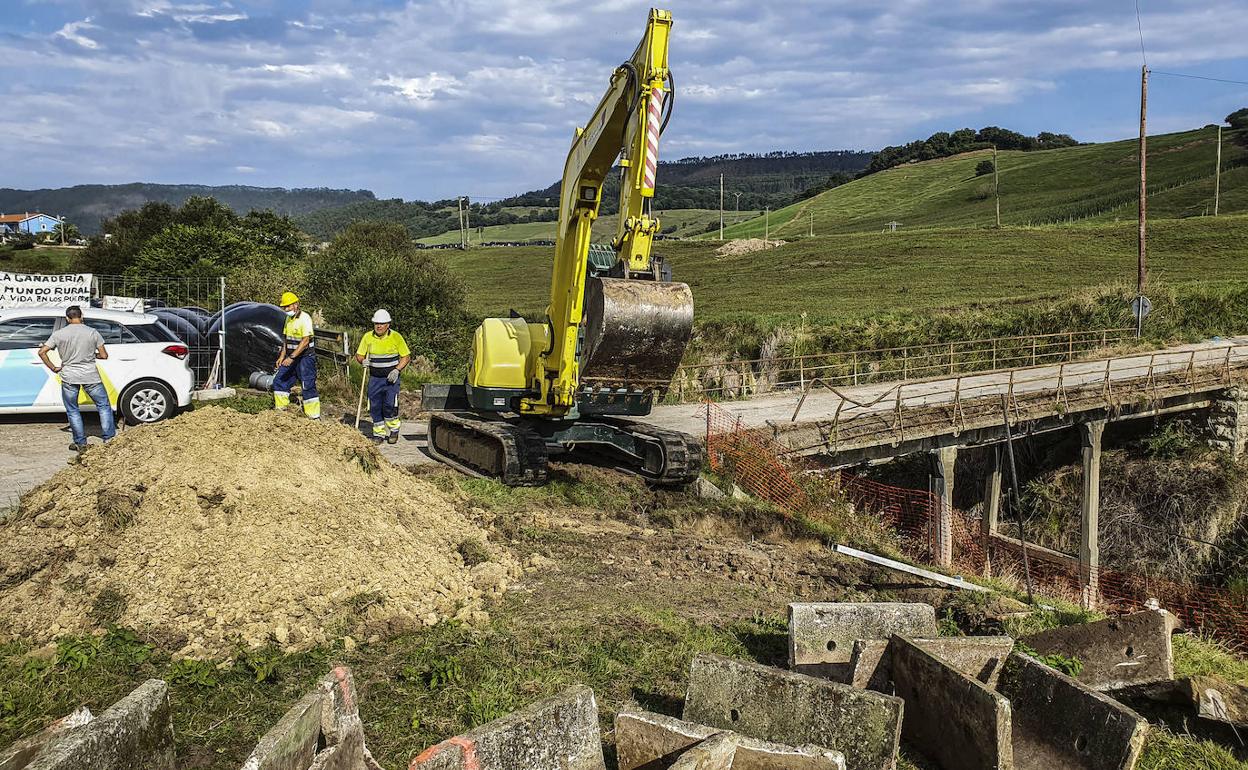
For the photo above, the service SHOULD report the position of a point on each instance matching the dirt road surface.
(34, 447)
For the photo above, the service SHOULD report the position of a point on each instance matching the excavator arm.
(626, 125)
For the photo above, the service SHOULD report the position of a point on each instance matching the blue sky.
(480, 97)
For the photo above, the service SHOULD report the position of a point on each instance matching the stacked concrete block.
(646, 741)
(954, 719)
(979, 657)
(1059, 722)
(559, 733)
(822, 635)
(322, 731)
(1117, 652)
(787, 708)
(1216, 699)
(135, 733)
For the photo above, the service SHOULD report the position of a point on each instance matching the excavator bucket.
(637, 331)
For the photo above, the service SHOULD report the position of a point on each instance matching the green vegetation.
(1088, 182)
(942, 144)
(853, 276)
(1164, 750)
(675, 222)
(44, 259)
(375, 264)
(1198, 656)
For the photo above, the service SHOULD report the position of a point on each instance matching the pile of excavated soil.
(746, 246)
(219, 529)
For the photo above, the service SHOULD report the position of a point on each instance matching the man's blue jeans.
(99, 395)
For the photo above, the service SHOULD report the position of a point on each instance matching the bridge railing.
(909, 409)
(743, 378)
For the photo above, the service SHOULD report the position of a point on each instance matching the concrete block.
(821, 636)
(646, 741)
(714, 753)
(779, 706)
(1217, 699)
(559, 733)
(1058, 722)
(20, 754)
(1116, 652)
(135, 733)
(292, 743)
(952, 718)
(703, 488)
(979, 657)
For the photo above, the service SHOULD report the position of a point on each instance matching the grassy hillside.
(857, 274)
(681, 223)
(1097, 182)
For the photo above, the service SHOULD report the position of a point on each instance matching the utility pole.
(62, 218)
(721, 207)
(1139, 316)
(459, 201)
(467, 224)
(738, 197)
(812, 223)
(1217, 174)
(996, 185)
(767, 228)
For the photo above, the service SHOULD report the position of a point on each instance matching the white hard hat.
(381, 317)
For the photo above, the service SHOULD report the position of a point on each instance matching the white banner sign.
(129, 304)
(19, 289)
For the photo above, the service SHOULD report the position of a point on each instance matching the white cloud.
(245, 169)
(72, 33)
(421, 91)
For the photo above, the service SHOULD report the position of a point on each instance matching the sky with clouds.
(434, 99)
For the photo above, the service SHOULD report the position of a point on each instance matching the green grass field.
(680, 223)
(48, 259)
(859, 274)
(1089, 182)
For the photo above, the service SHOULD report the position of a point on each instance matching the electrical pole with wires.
(996, 185)
(737, 195)
(721, 207)
(1143, 237)
(1217, 174)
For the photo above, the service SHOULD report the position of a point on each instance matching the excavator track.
(681, 453)
(493, 449)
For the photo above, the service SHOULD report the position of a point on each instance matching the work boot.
(77, 448)
(378, 439)
(393, 438)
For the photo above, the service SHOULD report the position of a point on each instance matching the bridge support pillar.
(1089, 549)
(1228, 421)
(943, 461)
(992, 505)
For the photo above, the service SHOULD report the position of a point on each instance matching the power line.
(1140, 26)
(1200, 77)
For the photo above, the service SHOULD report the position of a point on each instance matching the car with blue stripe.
(147, 374)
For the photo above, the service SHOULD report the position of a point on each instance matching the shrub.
(375, 265)
(985, 167)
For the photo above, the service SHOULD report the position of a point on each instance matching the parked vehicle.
(146, 373)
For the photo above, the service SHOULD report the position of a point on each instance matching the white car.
(146, 374)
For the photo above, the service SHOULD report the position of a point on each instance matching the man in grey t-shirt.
(80, 347)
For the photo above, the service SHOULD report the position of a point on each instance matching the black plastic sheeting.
(253, 335)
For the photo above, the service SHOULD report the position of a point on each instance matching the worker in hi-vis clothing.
(297, 360)
(388, 355)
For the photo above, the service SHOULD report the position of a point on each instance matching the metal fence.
(745, 378)
(202, 299)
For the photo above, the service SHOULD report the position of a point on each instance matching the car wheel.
(146, 402)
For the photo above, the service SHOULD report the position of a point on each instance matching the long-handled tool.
(359, 405)
(1016, 498)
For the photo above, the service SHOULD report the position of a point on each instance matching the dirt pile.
(746, 246)
(219, 529)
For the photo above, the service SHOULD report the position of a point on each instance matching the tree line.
(942, 144)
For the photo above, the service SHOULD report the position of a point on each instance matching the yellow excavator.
(616, 326)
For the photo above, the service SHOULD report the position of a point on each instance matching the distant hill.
(772, 179)
(1086, 183)
(87, 205)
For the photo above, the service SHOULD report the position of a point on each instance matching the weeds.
(473, 552)
(108, 607)
(1070, 666)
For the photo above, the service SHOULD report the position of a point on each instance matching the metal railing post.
(855, 367)
(224, 379)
